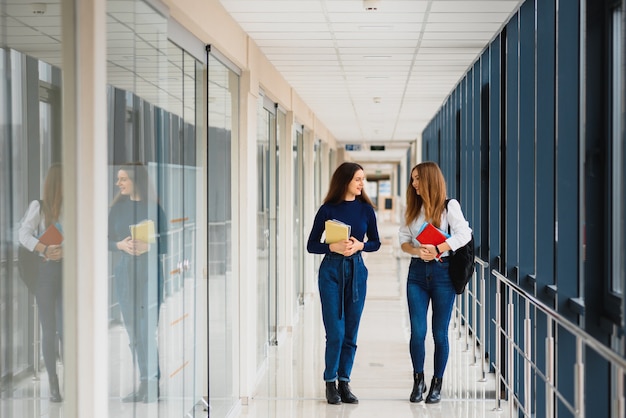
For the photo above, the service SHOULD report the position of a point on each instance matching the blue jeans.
(342, 285)
(429, 281)
(138, 295)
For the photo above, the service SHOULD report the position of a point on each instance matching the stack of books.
(336, 231)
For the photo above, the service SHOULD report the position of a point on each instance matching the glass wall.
(31, 366)
(266, 221)
(298, 214)
(155, 189)
(223, 117)
(156, 184)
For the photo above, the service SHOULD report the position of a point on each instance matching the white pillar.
(85, 282)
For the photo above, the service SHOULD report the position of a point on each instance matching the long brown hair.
(340, 181)
(432, 197)
(52, 194)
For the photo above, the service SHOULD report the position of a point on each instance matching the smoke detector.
(371, 5)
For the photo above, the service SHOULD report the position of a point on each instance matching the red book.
(430, 235)
(52, 236)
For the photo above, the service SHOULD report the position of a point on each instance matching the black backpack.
(461, 263)
(28, 263)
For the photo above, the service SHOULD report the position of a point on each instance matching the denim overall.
(342, 286)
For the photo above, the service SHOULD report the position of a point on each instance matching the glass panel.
(155, 185)
(298, 246)
(618, 151)
(223, 102)
(277, 132)
(30, 201)
(263, 234)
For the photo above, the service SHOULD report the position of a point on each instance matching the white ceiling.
(341, 59)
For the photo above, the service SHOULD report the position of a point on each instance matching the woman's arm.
(314, 245)
(29, 228)
(460, 231)
(373, 238)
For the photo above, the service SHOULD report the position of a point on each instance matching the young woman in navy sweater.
(138, 281)
(342, 274)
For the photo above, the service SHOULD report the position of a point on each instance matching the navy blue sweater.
(359, 215)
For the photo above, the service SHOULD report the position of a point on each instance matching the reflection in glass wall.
(298, 239)
(266, 138)
(223, 104)
(155, 183)
(31, 211)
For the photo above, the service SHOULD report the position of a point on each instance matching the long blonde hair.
(432, 197)
(52, 194)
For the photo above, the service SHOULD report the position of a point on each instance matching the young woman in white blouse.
(428, 278)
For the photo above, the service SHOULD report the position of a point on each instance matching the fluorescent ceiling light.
(376, 27)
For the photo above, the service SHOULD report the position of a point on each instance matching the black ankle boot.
(346, 394)
(152, 392)
(332, 395)
(418, 388)
(434, 395)
(55, 392)
(139, 395)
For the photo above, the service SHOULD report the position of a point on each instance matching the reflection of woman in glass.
(49, 289)
(138, 277)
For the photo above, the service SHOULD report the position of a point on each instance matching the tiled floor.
(381, 378)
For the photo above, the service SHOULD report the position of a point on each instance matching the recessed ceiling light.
(39, 8)
(135, 58)
(376, 27)
(370, 5)
(376, 57)
(377, 77)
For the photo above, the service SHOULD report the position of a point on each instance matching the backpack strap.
(447, 200)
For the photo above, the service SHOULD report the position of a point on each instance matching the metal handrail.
(583, 339)
(474, 298)
(589, 340)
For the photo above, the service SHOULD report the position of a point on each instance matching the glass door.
(156, 184)
(266, 221)
(223, 117)
(298, 244)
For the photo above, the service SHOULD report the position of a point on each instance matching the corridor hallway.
(292, 385)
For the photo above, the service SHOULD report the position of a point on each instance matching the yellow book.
(336, 231)
(143, 231)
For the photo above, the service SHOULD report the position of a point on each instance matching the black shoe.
(419, 387)
(137, 396)
(346, 395)
(434, 395)
(55, 393)
(332, 395)
(152, 392)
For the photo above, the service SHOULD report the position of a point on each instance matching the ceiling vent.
(371, 5)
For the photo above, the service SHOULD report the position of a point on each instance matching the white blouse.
(32, 226)
(460, 232)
